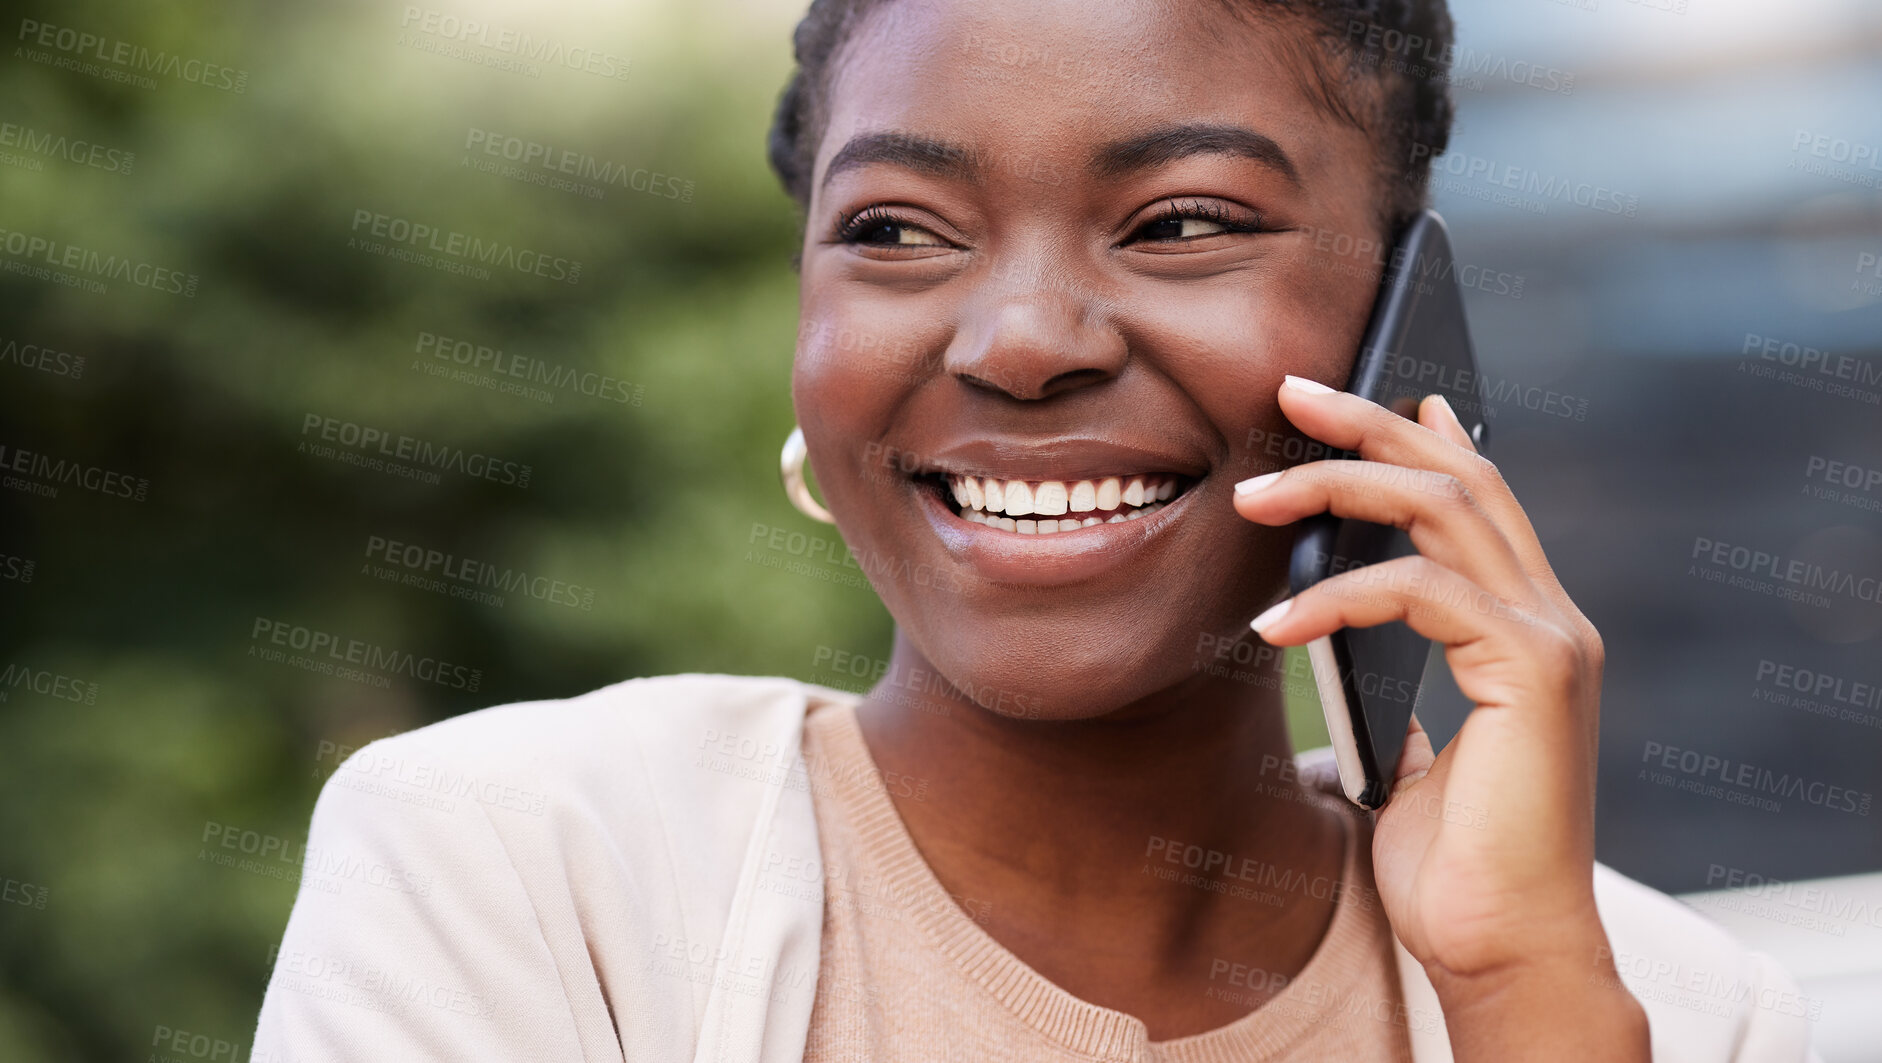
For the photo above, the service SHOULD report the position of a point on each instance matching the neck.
(1068, 828)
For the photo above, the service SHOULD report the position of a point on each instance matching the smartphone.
(1416, 343)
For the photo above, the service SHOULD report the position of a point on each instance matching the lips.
(1048, 507)
(1056, 509)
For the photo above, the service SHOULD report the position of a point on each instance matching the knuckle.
(1420, 567)
(1352, 585)
(1562, 654)
(1370, 585)
(1594, 650)
(1378, 424)
(1452, 491)
(1418, 579)
(1330, 597)
(1484, 471)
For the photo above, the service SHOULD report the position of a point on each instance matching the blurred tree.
(274, 160)
(657, 398)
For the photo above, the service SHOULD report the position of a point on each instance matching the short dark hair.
(1383, 67)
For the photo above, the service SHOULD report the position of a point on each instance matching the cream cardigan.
(577, 880)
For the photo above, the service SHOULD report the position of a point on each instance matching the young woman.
(1067, 267)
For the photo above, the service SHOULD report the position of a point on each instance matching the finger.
(1416, 758)
(1346, 421)
(1417, 763)
(1349, 422)
(1438, 511)
(1435, 413)
(1431, 599)
(1502, 653)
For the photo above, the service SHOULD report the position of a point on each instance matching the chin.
(1059, 665)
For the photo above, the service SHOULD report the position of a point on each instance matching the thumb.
(1415, 760)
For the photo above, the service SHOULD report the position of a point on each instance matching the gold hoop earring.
(791, 469)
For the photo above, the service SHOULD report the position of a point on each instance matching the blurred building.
(1690, 382)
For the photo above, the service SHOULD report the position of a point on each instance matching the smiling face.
(1055, 250)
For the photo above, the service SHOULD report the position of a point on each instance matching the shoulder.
(545, 859)
(660, 728)
(602, 726)
(1707, 996)
(638, 763)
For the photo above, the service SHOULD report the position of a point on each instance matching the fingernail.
(1302, 384)
(1249, 487)
(1274, 613)
(1446, 403)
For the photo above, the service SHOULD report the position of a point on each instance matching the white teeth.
(1018, 498)
(1050, 498)
(981, 500)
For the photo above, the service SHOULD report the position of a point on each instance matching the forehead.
(1053, 78)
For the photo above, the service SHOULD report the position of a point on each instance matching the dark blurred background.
(240, 429)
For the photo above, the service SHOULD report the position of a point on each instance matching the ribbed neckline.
(1076, 1024)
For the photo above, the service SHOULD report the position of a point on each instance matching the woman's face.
(1055, 243)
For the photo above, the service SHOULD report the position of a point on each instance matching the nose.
(1031, 336)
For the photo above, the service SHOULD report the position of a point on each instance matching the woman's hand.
(1485, 854)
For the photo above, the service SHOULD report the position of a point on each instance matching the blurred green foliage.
(126, 927)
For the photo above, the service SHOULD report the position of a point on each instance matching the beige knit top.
(908, 974)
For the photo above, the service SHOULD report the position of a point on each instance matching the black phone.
(1416, 343)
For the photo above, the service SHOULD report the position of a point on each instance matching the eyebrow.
(937, 158)
(1163, 146)
(1159, 147)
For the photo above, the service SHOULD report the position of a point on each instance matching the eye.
(1181, 229)
(878, 227)
(1180, 220)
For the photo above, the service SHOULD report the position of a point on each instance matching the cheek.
(852, 338)
(1227, 350)
(844, 347)
(857, 360)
